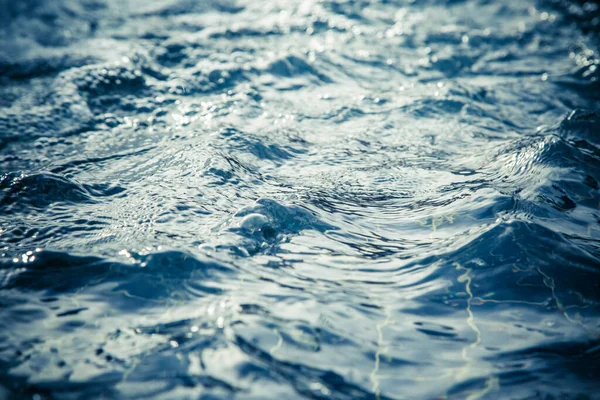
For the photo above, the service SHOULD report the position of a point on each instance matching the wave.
(20, 191)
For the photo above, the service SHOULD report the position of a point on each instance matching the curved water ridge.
(300, 199)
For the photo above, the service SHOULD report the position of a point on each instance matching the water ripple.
(305, 199)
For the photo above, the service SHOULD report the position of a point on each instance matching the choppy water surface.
(299, 199)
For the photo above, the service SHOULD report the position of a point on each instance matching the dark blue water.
(299, 199)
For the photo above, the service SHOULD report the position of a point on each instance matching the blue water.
(324, 199)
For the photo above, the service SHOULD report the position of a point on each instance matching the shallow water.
(299, 199)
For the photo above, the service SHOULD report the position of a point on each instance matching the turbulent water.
(371, 199)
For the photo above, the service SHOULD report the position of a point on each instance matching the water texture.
(371, 199)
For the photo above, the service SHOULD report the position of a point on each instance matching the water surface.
(299, 199)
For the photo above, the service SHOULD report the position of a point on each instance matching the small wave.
(157, 275)
(293, 65)
(581, 125)
(265, 224)
(20, 190)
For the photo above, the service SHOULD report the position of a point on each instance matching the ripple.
(40, 190)
(328, 199)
